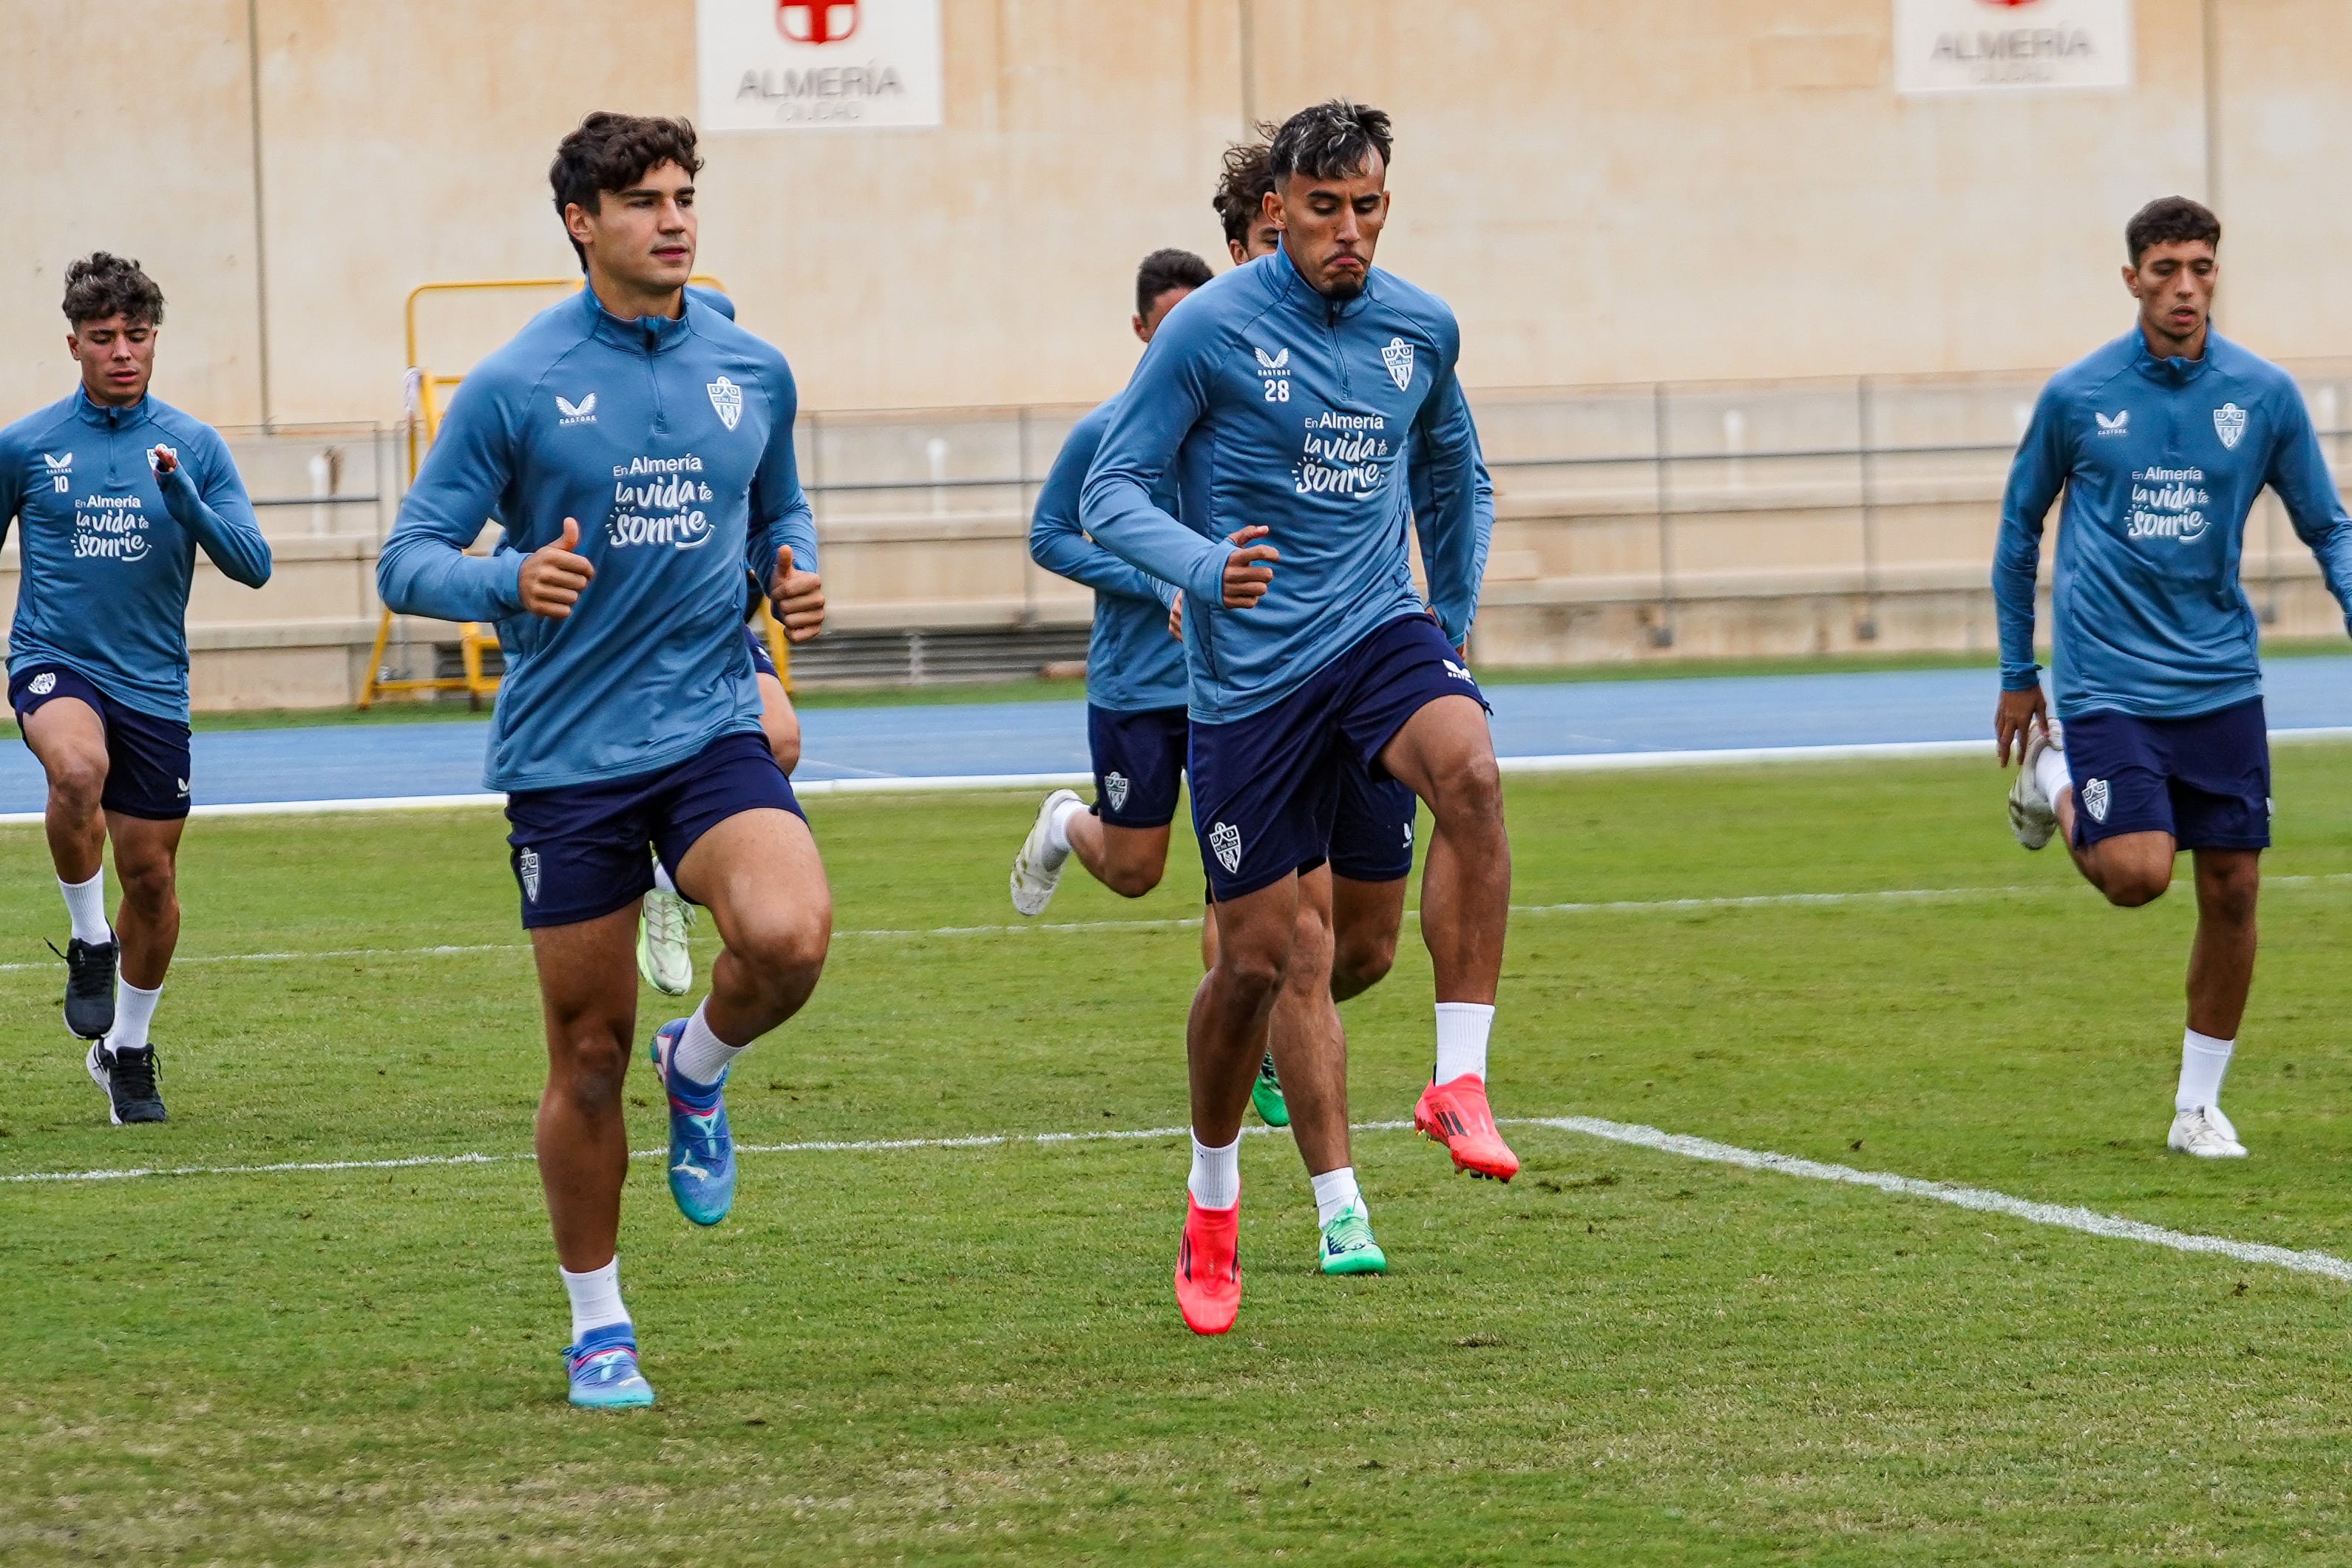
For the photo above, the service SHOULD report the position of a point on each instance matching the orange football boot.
(1454, 1113)
(1209, 1267)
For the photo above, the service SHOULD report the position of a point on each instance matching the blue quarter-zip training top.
(110, 546)
(1270, 404)
(670, 442)
(2161, 460)
(1133, 665)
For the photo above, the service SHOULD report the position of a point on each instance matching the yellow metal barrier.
(424, 424)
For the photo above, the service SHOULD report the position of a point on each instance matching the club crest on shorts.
(1115, 785)
(526, 863)
(728, 399)
(1398, 358)
(2229, 424)
(42, 684)
(1225, 843)
(2097, 797)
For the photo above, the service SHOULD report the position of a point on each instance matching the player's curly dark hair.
(100, 285)
(2170, 220)
(610, 151)
(1243, 187)
(1163, 270)
(1330, 140)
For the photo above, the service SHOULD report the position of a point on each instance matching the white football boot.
(2033, 816)
(2203, 1131)
(663, 958)
(1037, 869)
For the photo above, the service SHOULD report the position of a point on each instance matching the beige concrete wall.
(1606, 192)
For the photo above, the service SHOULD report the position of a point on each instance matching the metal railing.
(1666, 494)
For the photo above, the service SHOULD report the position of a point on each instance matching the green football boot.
(1349, 1247)
(1266, 1096)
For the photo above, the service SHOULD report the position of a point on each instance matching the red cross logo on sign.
(816, 20)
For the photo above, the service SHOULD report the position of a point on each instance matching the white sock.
(1216, 1179)
(661, 878)
(2050, 772)
(86, 902)
(1335, 1192)
(2203, 1060)
(1057, 829)
(1462, 1029)
(595, 1297)
(702, 1055)
(133, 1010)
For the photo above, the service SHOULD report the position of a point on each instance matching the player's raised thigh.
(1446, 753)
(759, 873)
(68, 737)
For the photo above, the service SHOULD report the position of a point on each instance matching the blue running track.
(347, 762)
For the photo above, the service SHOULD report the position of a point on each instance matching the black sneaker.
(90, 987)
(128, 1078)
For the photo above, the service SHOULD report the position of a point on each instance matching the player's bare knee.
(1362, 964)
(1130, 880)
(2134, 886)
(150, 886)
(1469, 790)
(587, 1067)
(784, 954)
(78, 782)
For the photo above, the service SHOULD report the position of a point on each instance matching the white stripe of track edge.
(1983, 1199)
(1571, 762)
(1980, 1199)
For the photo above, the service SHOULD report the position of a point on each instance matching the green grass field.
(968, 1354)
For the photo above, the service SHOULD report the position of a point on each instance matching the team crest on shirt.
(2097, 797)
(2229, 424)
(1225, 842)
(526, 863)
(42, 684)
(1398, 358)
(728, 399)
(1115, 785)
(60, 471)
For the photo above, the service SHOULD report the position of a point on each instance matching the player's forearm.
(1066, 552)
(2013, 588)
(1118, 512)
(796, 528)
(422, 573)
(228, 533)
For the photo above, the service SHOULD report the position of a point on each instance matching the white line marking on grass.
(1983, 1199)
(1605, 906)
(2089, 1222)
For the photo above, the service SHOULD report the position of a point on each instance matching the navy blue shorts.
(147, 766)
(763, 662)
(1371, 830)
(1266, 788)
(578, 853)
(1139, 764)
(2206, 780)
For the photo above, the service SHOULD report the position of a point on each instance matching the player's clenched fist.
(1249, 569)
(797, 598)
(554, 574)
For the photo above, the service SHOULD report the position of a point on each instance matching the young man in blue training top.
(114, 491)
(1136, 683)
(628, 715)
(666, 920)
(1139, 729)
(2161, 441)
(1282, 398)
